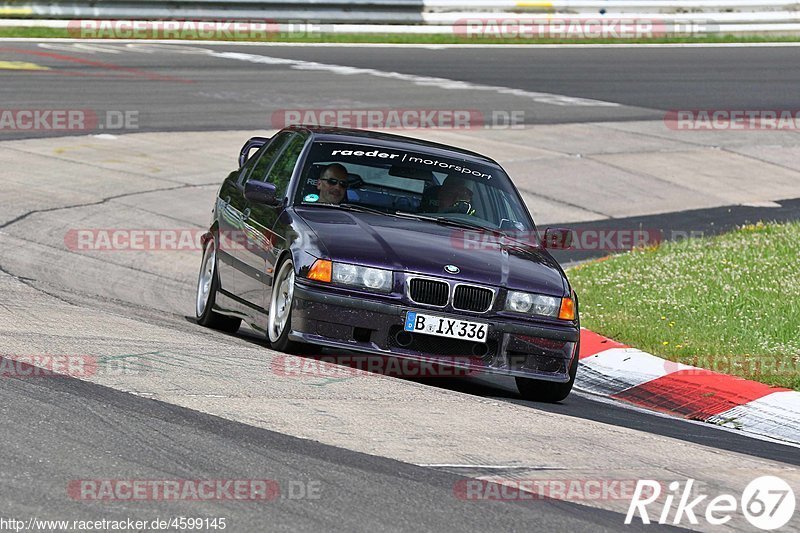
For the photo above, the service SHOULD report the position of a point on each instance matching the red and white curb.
(608, 368)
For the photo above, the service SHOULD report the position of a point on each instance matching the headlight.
(537, 304)
(344, 273)
(373, 279)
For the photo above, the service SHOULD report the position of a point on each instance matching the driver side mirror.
(261, 192)
(558, 238)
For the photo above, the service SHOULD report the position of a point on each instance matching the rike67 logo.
(768, 503)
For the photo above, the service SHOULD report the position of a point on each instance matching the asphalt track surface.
(177, 89)
(154, 440)
(653, 78)
(57, 426)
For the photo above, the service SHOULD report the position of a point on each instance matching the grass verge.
(729, 303)
(398, 38)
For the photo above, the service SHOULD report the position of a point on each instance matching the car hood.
(424, 247)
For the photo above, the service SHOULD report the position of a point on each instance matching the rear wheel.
(548, 391)
(207, 286)
(280, 311)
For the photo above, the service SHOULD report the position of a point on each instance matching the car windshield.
(411, 183)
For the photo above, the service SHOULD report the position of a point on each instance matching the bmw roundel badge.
(452, 269)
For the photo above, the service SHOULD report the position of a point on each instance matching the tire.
(207, 286)
(535, 390)
(280, 311)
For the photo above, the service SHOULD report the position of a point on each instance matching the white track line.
(343, 70)
(495, 467)
(425, 81)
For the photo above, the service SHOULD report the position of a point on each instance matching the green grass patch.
(730, 303)
(398, 38)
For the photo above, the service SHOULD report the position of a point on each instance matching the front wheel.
(535, 390)
(280, 310)
(207, 286)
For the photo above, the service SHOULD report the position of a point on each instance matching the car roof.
(399, 142)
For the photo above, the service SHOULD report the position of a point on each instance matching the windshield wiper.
(450, 222)
(352, 207)
(465, 224)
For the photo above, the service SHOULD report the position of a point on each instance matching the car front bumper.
(323, 317)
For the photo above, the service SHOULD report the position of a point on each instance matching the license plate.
(451, 328)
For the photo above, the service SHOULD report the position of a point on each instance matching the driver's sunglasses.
(332, 181)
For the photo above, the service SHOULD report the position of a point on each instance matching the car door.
(234, 212)
(263, 243)
(228, 217)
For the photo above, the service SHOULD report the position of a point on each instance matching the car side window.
(281, 172)
(248, 165)
(264, 158)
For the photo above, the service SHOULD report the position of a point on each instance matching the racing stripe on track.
(696, 394)
(609, 368)
(592, 343)
(615, 370)
(99, 64)
(21, 65)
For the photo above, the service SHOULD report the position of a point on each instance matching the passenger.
(332, 184)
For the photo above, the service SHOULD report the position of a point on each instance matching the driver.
(455, 196)
(332, 184)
